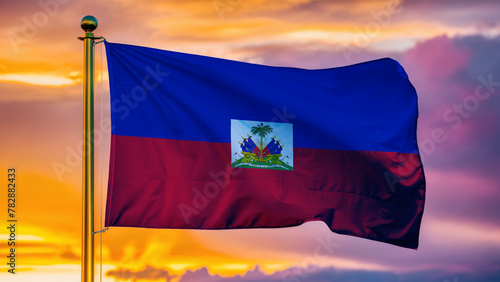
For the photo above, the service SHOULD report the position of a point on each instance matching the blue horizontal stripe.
(162, 94)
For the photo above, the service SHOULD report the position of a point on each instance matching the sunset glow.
(36, 79)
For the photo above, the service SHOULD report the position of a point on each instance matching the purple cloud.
(296, 274)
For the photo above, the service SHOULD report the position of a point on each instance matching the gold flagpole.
(88, 24)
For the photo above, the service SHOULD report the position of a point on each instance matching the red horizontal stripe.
(160, 183)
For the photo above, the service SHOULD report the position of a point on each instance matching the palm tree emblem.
(261, 130)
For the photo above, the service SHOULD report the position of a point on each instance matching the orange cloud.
(38, 79)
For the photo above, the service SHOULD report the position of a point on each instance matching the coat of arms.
(267, 145)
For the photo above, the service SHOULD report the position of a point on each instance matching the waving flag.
(206, 143)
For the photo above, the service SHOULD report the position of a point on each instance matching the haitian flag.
(206, 143)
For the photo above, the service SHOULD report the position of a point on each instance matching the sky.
(450, 50)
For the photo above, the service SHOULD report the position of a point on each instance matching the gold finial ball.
(88, 23)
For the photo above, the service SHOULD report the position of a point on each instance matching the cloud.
(148, 273)
(70, 254)
(299, 274)
(183, 25)
(35, 79)
(294, 274)
(459, 91)
(436, 59)
(454, 18)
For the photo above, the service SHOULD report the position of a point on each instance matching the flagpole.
(88, 24)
